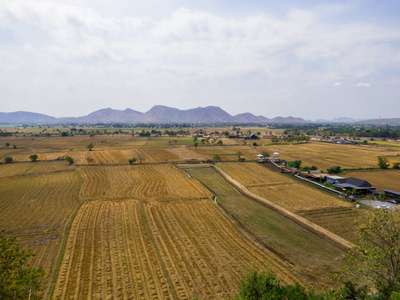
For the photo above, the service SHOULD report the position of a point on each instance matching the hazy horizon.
(309, 60)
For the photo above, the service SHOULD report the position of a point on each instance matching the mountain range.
(157, 114)
(165, 114)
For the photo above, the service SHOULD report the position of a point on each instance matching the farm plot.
(344, 221)
(110, 255)
(164, 182)
(106, 181)
(297, 197)
(203, 253)
(229, 153)
(36, 210)
(381, 179)
(312, 257)
(149, 182)
(253, 174)
(326, 155)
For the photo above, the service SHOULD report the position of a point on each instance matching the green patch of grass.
(310, 254)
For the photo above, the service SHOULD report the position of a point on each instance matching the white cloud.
(71, 52)
(363, 84)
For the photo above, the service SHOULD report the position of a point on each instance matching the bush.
(132, 161)
(396, 165)
(294, 164)
(334, 170)
(17, 281)
(33, 157)
(69, 159)
(8, 159)
(383, 163)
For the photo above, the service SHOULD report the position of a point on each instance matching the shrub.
(294, 164)
(132, 161)
(383, 163)
(33, 157)
(8, 159)
(334, 170)
(396, 165)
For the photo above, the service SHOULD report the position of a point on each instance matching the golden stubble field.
(107, 229)
(326, 155)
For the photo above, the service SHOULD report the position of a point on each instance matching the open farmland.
(326, 155)
(311, 255)
(149, 182)
(228, 153)
(36, 209)
(174, 250)
(326, 210)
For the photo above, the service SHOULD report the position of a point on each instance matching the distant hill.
(338, 120)
(394, 121)
(24, 117)
(248, 117)
(106, 115)
(157, 114)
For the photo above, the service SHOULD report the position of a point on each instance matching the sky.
(309, 59)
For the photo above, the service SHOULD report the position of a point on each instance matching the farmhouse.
(360, 186)
(391, 194)
(315, 174)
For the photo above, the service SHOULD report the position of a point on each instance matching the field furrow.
(109, 254)
(203, 253)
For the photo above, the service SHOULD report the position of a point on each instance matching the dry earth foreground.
(102, 228)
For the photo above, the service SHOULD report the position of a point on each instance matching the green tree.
(89, 147)
(14, 146)
(33, 157)
(294, 164)
(69, 159)
(265, 154)
(8, 159)
(377, 258)
(132, 160)
(196, 144)
(383, 163)
(17, 280)
(7, 145)
(334, 170)
(396, 165)
(220, 143)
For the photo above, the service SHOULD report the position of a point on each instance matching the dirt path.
(318, 230)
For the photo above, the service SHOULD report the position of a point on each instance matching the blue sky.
(310, 59)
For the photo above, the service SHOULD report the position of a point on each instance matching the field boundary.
(237, 222)
(157, 250)
(48, 294)
(328, 236)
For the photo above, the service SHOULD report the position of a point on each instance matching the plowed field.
(36, 210)
(326, 155)
(298, 197)
(110, 253)
(106, 181)
(253, 174)
(161, 182)
(164, 182)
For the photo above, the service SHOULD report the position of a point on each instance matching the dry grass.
(326, 155)
(192, 251)
(381, 179)
(36, 210)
